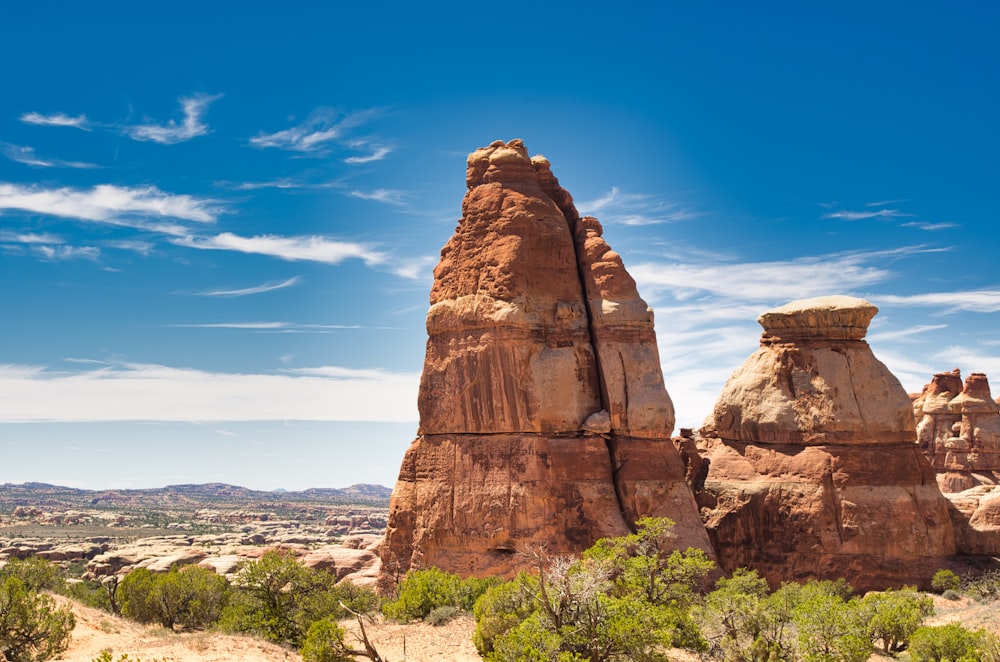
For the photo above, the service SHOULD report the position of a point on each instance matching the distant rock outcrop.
(544, 420)
(959, 432)
(958, 429)
(812, 466)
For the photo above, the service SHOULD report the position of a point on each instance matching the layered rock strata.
(812, 466)
(544, 421)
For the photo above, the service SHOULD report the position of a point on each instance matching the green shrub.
(946, 643)
(501, 608)
(945, 580)
(190, 597)
(895, 615)
(32, 628)
(421, 592)
(441, 615)
(951, 595)
(324, 642)
(278, 598)
(37, 574)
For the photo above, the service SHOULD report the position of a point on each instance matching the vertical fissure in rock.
(610, 440)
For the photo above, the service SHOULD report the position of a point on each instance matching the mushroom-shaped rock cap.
(821, 318)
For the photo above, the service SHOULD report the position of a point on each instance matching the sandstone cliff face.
(543, 415)
(812, 466)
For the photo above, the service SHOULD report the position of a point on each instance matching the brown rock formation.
(543, 415)
(959, 430)
(812, 466)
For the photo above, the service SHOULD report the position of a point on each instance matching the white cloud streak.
(377, 154)
(312, 249)
(973, 301)
(864, 215)
(762, 281)
(387, 196)
(56, 119)
(257, 289)
(929, 227)
(192, 126)
(635, 209)
(313, 135)
(141, 392)
(27, 156)
(60, 252)
(107, 203)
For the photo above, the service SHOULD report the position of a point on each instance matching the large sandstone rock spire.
(543, 415)
(813, 469)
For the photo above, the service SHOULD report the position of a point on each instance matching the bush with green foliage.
(893, 616)
(324, 642)
(627, 598)
(191, 597)
(945, 580)
(423, 591)
(946, 643)
(32, 627)
(743, 620)
(278, 598)
(35, 573)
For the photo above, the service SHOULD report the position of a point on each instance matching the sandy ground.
(97, 630)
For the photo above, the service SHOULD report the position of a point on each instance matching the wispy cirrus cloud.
(135, 245)
(973, 301)
(314, 135)
(375, 152)
(56, 119)
(149, 392)
(8, 237)
(109, 203)
(289, 183)
(281, 327)
(846, 215)
(28, 156)
(635, 209)
(60, 252)
(48, 247)
(929, 227)
(780, 281)
(388, 196)
(295, 248)
(256, 289)
(191, 126)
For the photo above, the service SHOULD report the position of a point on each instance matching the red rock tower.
(544, 420)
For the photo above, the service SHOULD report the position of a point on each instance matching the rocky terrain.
(108, 533)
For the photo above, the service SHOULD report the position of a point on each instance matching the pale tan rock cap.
(835, 317)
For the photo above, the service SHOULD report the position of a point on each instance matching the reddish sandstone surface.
(808, 462)
(544, 420)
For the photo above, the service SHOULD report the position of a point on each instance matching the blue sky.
(217, 228)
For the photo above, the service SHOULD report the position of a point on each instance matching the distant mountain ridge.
(37, 492)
